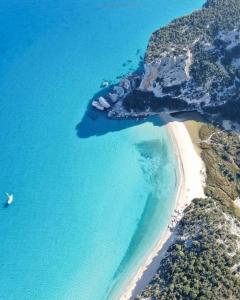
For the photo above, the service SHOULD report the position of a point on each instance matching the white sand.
(192, 176)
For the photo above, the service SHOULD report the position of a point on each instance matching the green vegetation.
(206, 66)
(203, 263)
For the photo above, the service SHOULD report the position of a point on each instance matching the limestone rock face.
(170, 71)
(194, 62)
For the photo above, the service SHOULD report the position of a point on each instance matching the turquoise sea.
(90, 196)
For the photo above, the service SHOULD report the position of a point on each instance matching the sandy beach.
(191, 185)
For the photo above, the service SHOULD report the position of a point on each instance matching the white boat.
(97, 105)
(104, 102)
(114, 97)
(10, 198)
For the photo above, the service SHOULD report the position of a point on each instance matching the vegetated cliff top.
(192, 64)
(196, 59)
(204, 24)
(203, 263)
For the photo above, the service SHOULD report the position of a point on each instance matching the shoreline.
(191, 185)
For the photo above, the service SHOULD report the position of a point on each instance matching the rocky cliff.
(195, 60)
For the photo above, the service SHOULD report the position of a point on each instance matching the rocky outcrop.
(197, 58)
(161, 76)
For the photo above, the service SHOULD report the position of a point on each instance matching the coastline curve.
(191, 185)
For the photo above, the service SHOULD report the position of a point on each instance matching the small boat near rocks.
(9, 199)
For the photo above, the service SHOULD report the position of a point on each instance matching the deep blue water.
(89, 203)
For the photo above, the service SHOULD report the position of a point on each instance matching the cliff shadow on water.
(97, 123)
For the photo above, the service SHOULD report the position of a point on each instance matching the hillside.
(193, 63)
(204, 261)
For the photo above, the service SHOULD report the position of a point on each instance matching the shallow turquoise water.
(85, 201)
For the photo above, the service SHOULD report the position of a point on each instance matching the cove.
(87, 206)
